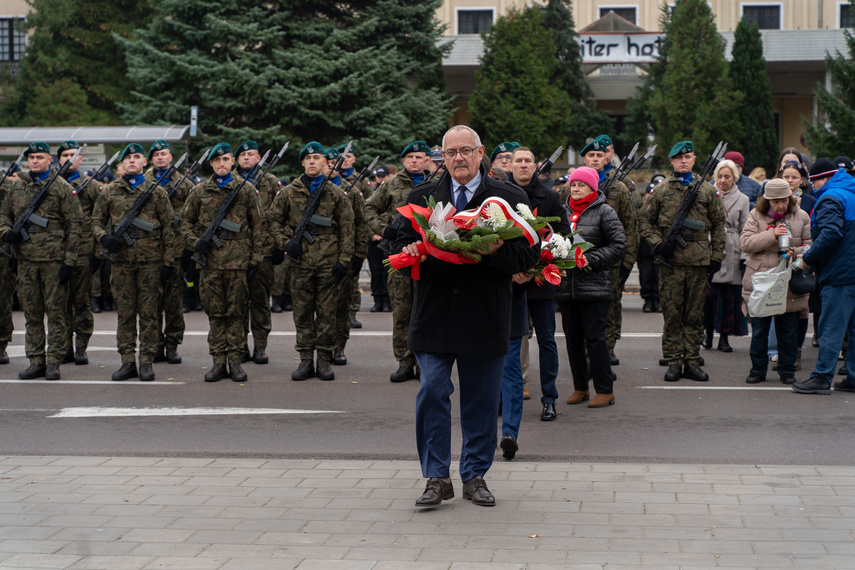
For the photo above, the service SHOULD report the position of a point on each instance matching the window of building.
(474, 21)
(845, 15)
(766, 16)
(13, 42)
(624, 12)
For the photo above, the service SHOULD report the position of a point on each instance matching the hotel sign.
(619, 48)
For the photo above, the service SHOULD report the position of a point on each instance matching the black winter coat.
(466, 308)
(600, 226)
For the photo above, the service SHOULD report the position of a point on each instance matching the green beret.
(331, 154)
(682, 147)
(158, 145)
(132, 148)
(67, 145)
(344, 146)
(245, 146)
(596, 144)
(417, 146)
(605, 139)
(37, 147)
(313, 147)
(220, 149)
(504, 147)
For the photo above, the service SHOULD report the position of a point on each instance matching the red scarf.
(579, 206)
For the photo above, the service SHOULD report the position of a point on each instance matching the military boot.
(127, 371)
(216, 373)
(276, 305)
(325, 370)
(338, 357)
(35, 370)
(160, 355)
(403, 373)
(80, 356)
(172, 356)
(305, 371)
(96, 305)
(286, 303)
(247, 357)
(146, 372)
(52, 372)
(387, 304)
(708, 338)
(69, 355)
(675, 372)
(354, 324)
(259, 355)
(693, 372)
(378, 304)
(4, 356)
(236, 373)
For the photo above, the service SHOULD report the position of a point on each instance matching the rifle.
(131, 218)
(29, 216)
(362, 175)
(170, 192)
(436, 172)
(15, 167)
(636, 165)
(309, 215)
(220, 222)
(546, 165)
(681, 221)
(101, 170)
(273, 162)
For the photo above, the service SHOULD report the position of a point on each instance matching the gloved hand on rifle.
(12, 237)
(664, 249)
(203, 246)
(713, 268)
(111, 243)
(294, 249)
(278, 256)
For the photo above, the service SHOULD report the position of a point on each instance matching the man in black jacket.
(452, 302)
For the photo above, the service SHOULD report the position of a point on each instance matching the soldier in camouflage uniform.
(7, 281)
(139, 270)
(316, 268)
(79, 318)
(45, 261)
(171, 326)
(597, 155)
(258, 315)
(380, 210)
(224, 280)
(363, 234)
(683, 283)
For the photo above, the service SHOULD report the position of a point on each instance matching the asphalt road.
(362, 415)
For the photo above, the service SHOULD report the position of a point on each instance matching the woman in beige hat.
(777, 213)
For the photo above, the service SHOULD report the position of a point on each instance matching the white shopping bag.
(769, 297)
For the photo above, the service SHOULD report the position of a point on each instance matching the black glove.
(186, 260)
(294, 249)
(664, 249)
(356, 264)
(64, 274)
(713, 268)
(251, 270)
(94, 264)
(624, 273)
(12, 237)
(339, 272)
(278, 256)
(166, 273)
(203, 246)
(111, 243)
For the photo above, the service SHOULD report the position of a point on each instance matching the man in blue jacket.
(832, 253)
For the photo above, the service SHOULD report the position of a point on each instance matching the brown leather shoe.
(436, 491)
(526, 394)
(217, 373)
(325, 370)
(602, 400)
(236, 373)
(305, 371)
(578, 397)
(476, 490)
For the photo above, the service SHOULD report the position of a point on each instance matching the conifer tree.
(759, 143)
(514, 97)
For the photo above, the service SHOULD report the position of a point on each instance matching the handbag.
(769, 297)
(803, 282)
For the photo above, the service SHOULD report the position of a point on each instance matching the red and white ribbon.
(467, 216)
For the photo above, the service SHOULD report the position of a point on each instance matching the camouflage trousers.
(137, 291)
(356, 294)
(682, 290)
(313, 294)
(80, 320)
(258, 316)
(343, 307)
(171, 325)
(225, 298)
(614, 320)
(7, 289)
(40, 293)
(402, 291)
(281, 284)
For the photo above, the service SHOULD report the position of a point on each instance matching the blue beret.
(682, 147)
(67, 145)
(220, 149)
(417, 146)
(158, 145)
(313, 147)
(245, 146)
(132, 148)
(37, 147)
(596, 144)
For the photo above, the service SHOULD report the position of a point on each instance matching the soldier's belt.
(320, 230)
(695, 236)
(227, 235)
(137, 235)
(46, 226)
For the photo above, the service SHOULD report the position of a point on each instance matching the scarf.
(685, 179)
(134, 180)
(40, 176)
(316, 181)
(69, 176)
(579, 206)
(417, 178)
(603, 174)
(775, 215)
(347, 173)
(223, 180)
(159, 175)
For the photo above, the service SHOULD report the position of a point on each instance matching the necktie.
(461, 201)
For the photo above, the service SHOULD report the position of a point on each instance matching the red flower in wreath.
(581, 262)
(546, 256)
(552, 274)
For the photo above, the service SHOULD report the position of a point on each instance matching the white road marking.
(763, 388)
(150, 412)
(101, 382)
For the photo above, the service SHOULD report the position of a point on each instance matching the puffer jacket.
(833, 231)
(601, 227)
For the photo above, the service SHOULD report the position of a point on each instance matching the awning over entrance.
(22, 136)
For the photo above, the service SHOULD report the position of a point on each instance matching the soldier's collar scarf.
(69, 176)
(223, 180)
(315, 182)
(159, 175)
(685, 179)
(40, 176)
(244, 173)
(603, 174)
(347, 173)
(134, 179)
(417, 178)
(607, 167)
(336, 180)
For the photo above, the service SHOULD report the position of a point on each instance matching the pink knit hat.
(587, 175)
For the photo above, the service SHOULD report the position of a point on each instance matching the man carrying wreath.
(453, 301)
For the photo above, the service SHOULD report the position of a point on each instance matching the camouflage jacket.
(266, 189)
(88, 197)
(334, 242)
(149, 247)
(383, 205)
(360, 224)
(60, 240)
(179, 196)
(660, 209)
(239, 249)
